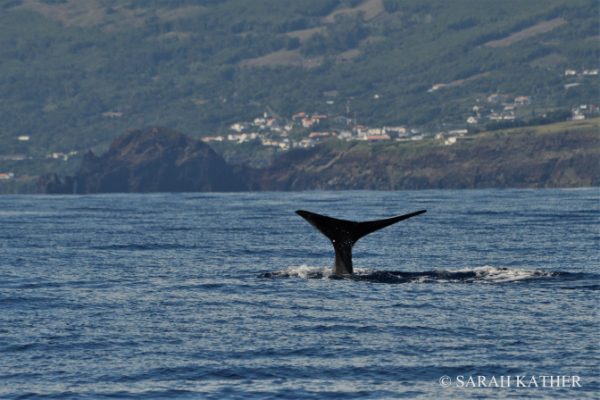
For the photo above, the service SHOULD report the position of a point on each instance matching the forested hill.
(75, 73)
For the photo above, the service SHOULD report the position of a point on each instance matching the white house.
(238, 127)
(400, 130)
(375, 131)
(345, 135)
(208, 139)
(435, 87)
(522, 100)
(577, 115)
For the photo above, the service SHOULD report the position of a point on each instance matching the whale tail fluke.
(364, 228)
(344, 234)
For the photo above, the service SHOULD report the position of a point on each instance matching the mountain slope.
(72, 72)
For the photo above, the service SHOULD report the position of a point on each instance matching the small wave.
(581, 287)
(142, 246)
(484, 274)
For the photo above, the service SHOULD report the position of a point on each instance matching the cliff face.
(562, 159)
(159, 160)
(153, 160)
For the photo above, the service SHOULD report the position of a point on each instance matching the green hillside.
(76, 73)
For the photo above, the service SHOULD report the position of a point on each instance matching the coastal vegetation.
(73, 74)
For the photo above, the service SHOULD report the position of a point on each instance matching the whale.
(344, 234)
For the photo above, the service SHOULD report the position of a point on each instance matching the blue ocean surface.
(216, 296)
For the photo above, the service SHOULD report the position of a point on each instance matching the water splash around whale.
(483, 274)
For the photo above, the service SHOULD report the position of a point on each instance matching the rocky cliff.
(151, 160)
(159, 160)
(501, 160)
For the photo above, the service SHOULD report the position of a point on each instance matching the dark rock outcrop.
(151, 160)
(55, 184)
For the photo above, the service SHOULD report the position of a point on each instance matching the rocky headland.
(151, 160)
(161, 160)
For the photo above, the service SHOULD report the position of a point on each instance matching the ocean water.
(214, 296)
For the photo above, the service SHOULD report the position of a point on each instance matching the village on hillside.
(305, 130)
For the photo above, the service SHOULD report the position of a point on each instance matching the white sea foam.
(484, 274)
(305, 271)
(489, 273)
